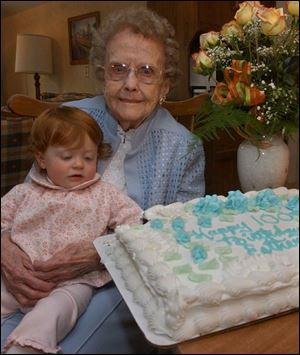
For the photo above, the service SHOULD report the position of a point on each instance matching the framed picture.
(80, 36)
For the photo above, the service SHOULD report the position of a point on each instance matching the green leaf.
(212, 118)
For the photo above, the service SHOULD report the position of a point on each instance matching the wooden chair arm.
(23, 105)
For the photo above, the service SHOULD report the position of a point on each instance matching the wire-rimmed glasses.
(145, 73)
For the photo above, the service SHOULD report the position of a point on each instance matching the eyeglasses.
(145, 73)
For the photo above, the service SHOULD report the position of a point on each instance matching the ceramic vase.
(263, 166)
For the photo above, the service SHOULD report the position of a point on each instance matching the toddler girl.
(65, 202)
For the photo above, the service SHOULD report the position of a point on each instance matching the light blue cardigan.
(166, 163)
(161, 168)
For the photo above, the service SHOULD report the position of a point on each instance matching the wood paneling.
(183, 15)
(221, 164)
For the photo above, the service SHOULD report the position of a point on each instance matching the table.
(279, 335)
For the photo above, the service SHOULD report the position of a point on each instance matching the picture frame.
(80, 36)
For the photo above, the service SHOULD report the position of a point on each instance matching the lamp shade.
(33, 54)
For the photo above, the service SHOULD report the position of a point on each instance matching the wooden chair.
(185, 111)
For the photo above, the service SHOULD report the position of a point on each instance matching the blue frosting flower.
(156, 223)
(182, 237)
(177, 223)
(293, 204)
(236, 201)
(267, 199)
(208, 205)
(198, 254)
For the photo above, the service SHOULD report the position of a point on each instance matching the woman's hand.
(19, 276)
(74, 260)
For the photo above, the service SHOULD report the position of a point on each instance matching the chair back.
(23, 105)
(185, 111)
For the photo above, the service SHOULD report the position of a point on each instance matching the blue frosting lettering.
(201, 235)
(256, 220)
(268, 218)
(204, 221)
(293, 205)
(266, 249)
(250, 250)
(182, 237)
(285, 217)
(270, 235)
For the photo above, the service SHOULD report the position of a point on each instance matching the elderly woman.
(135, 55)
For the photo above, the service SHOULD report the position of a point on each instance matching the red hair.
(66, 126)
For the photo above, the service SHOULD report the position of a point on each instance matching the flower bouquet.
(256, 60)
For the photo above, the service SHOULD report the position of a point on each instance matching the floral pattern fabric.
(44, 218)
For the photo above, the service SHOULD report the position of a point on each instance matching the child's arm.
(16, 267)
(9, 205)
(123, 210)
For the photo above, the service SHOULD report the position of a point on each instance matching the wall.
(50, 19)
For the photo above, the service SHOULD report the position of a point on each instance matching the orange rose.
(273, 21)
(257, 6)
(245, 13)
(293, 8)
(204, 65)
(231, 29)
(209, 39)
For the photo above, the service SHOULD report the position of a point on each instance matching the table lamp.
(34, 56)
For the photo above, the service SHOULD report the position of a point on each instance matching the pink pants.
(50, 320)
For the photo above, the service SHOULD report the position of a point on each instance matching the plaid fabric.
(16, 160)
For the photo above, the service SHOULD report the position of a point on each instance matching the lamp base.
(37, 86)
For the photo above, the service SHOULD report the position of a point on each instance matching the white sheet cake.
(213, 262)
